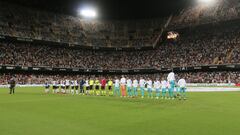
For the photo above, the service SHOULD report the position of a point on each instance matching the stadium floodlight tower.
(88, 13)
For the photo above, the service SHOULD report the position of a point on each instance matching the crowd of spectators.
(196, 47)
(198, 77)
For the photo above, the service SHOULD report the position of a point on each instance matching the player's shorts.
(47, 87)
(172, 84)
(72, 87)
(149, 89)
(103, 87)
(97, 87)
(76, 87)
(110, 87)
(81, 87)
(164, 89)
(63, 87)
(183, 89)
(67, 87)
(116, 88)
(87, 88)
(91, 87)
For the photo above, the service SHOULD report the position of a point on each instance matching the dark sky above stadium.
(111, 9)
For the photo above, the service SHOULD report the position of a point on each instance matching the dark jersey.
(82, 82)
(12, 83)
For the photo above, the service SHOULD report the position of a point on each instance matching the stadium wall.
(208, 68)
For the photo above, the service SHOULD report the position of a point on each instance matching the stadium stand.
(18, 21)
(196, 47)
(205, 39)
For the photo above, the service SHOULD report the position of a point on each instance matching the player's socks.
(72, 92)
(142, 92)
(77, 92)
(46, 90)
(136, 92)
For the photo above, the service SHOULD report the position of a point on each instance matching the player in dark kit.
(12, 83)
(82, 82)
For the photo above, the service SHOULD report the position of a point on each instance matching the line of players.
(125, 87)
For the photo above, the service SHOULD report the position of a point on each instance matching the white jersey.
(142, 82)
(135, 83)
(67, 82)
(149, 84)
(123, 81)
(171, 77)
(129, 83)
(157, 84)
(62, 83)
(46, 84)
(72, 83)
(86, 83)
(76, 83)
(182, 83)
(117, 83)
(164, 84)
(54, 83)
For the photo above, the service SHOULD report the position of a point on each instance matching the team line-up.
(125, 87)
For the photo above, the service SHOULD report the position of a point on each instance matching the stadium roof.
(111, 9)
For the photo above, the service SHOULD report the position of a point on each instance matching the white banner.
(27, 85)
(210, 84)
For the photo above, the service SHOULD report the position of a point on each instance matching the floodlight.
(88, 13)
(207, 1)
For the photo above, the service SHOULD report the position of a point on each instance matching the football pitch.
(30, 112)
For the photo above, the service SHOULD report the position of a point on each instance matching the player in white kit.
(87, 87)
(117, 87)
(129, 87)
(72, 87)
(135, 87)
(76, 87)
(157, 86)
(63, 86)
(171, 80)
(67, 83)
(182, 84)
(54, 86)
(149, 88)
(142, 85)
(164, 85)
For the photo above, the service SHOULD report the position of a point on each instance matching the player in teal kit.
(142, 85)
(164, 85)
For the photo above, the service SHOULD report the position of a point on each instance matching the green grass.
(29, 112)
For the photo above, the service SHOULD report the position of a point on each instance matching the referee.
(12, 84)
